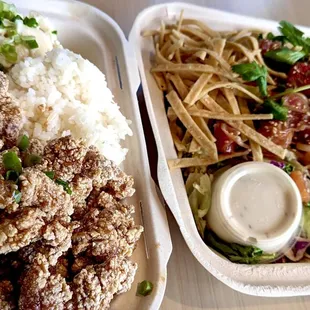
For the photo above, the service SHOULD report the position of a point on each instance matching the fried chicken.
(10, 115)
(7, 201)
(69, 244)
(7, 301)
(106, 175)
(38, 190)
(40, 289)
(94, 287)
(65, 157)
(107, 233)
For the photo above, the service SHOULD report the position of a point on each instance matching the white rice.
(62, 94)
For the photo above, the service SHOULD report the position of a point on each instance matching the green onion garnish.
(9, 52)
(23, 143)
(17, 195)
(11, 175)
(50, 174)
(10, 32)
(7, 11)
(144, 288)
(17, 17)
(65, 185)
(54, 32)
(12, 162)
(31, 160)
(31, 22)
(30, 41)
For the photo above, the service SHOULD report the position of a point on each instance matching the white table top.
(189, 285)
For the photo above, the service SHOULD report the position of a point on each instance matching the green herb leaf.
(32, 160)
(23, 143)
(12, 175)
(12, 162)
(17, 195)
(31, 22)
(288, 168)
(285, 55)
(253, 72)
(278, 111)
(144, 288)
(54, 32)
(50, 174)
(294, 36)
(270, 36)
(237, 253)
(65, 185)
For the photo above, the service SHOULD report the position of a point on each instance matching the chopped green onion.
(17, 17)
(50, 174)
(30, 42)
(31, 22)
(54, 32)
(11, 175)
(7, 11)
(289, 168)
(10, 32)
(12, 162)
(144, 288)
(23, 143)
(65, 185)
(17, 195)
(17, 39)
(9, 52)
(31, 160)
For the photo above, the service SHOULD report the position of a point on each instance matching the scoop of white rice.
(61, 94)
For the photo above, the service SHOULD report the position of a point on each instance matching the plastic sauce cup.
(256, 203)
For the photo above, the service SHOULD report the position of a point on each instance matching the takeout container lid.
(272, 280)
(96, 36)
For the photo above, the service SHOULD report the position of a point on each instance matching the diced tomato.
(267, 45)
(301, 183)
(299, 75)
(277, 131)
(224, 143)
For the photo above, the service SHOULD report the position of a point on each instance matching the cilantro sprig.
(253, 72)
(294, 36)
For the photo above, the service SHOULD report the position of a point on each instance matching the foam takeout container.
(262, 280)
(93, 34)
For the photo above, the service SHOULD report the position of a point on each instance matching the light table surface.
(190, 286)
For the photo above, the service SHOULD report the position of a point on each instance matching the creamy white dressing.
(255, 203)
(261, 204)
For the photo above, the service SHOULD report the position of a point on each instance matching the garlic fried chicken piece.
(40, 191)
(64, 156)
(6, 296)
(94, 287)
(106, 175)
(21, 230)
(40, 289)
(55, 241)
(10, 115)
(106, 233)
(7, 200)
(42, 206)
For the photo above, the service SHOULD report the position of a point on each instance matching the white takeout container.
(93, 34)
(263, 280)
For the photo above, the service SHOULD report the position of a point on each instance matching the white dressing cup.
(256, 203)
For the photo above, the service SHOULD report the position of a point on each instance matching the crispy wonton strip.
(246, 130)
(256, 149)
(195, 161)
(191, 126)
(201, 25)
(178, 84)
(208, 88)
